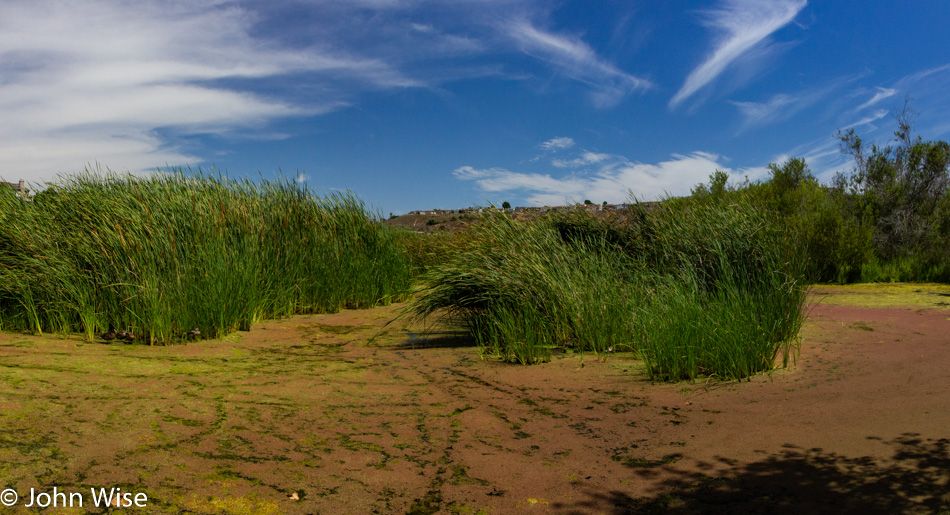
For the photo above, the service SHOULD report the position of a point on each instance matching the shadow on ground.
(438, 340)
(916, 479)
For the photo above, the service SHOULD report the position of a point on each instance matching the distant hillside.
(431, 223)
(453, 219)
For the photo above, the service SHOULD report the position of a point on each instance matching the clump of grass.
(728, 294)
(426, 250)
(518, 289)
(697, 288)
(164, 254)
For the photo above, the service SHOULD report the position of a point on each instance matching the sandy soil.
(343, 413)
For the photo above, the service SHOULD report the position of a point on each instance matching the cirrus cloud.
(559, 143)
(569, 55)
(743, 25)
(108, 80)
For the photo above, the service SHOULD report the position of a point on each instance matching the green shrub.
(886, 220)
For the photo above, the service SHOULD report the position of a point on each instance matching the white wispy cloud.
(873, 117)
(763, 112)
(881, 94)
(929, 88)
(861, 109)
(125, 82)
(586, 159)
(615, 180)
(559, 143)
(924, 90)
(575, 59)
(502, 180)
(783, 106)
(742, 24)
(923, 75)
(823, 156)
(103, 80)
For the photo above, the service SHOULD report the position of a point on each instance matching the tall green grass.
(698, 288)
(164, 254)
(729, 300)
(518, 288)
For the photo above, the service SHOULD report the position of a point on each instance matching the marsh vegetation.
(710, 285)
(707, 286)
(162, 255)
(698, 288)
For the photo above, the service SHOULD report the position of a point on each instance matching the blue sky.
(424, 103)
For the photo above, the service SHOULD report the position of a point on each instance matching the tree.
(784, 187)
(791, 175)
(505, 205)
(717, 185)
(587, 202)
(897, 188)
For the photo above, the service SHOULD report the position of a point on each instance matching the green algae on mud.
(883, 295)
(272, 422)
(189, 424)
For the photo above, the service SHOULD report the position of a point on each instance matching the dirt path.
(305, 407)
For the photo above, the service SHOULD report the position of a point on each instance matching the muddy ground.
(343, 414)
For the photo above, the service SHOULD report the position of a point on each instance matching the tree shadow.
(915, 479)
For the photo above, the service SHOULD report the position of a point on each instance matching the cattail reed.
(696, 288)
(174, 252)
